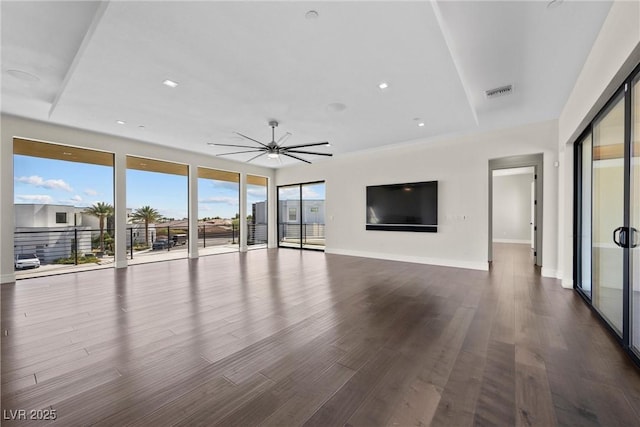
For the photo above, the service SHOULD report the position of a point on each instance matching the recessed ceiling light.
(421, 124)
(23, 75)
(66, 153)
(170, 83)
(273, 155)
(143, 164)
(120, 122)
(312, 14)
(383, 85)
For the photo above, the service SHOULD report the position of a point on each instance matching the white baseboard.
(527, 242)
(8, 278)
(414, 259)
(550, 272)
(567, 283)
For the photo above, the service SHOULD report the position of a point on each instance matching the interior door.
(608, 214)
(532, 223)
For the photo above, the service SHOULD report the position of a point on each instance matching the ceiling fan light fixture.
(170, 83)
(274, 149)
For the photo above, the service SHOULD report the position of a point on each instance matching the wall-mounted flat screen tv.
(403, 207)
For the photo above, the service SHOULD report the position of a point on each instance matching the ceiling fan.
(274, 149)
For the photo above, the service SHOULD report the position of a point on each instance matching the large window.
(301, 216)
(157, 206)
(218, 211)
(607, 216)
(63, 207)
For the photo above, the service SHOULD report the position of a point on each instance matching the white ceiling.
(240, 64)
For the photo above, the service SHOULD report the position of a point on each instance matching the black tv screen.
(403, 207)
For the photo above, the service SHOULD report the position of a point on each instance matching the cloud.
(50, 184)
(257, 191)
(222, 185)
(35, 198)
(231, 201)
(308, 193)
(90, 192)
(77, 198)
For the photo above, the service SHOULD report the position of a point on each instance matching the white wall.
(41, 131)
(39, 215)
(512, 208)
(460, 165)
(614, 54)
(616, 42)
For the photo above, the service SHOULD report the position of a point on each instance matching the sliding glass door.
(583, 279)
(301, 213)
(607, 270)
(313, 215)
(289, 216)
(634, 238)
(608, 213)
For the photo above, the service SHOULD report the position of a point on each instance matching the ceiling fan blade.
(240, 152)
(313, 144)
(294, 157)
(255, 157)
(307, 152)
(283, 138)
(231, 145)
(251, 139)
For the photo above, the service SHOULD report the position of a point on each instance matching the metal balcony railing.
(79, 245)
(296, 233)
(72, 245)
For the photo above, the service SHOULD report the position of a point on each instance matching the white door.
(532, 223)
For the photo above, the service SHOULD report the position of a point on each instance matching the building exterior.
(311, 215)
(312, 211)
(51, 231)
(258, 226)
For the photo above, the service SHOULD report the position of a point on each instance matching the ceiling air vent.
(499, 91)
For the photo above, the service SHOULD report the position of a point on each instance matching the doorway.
(513, 210)
(301, 210)
(532, 203)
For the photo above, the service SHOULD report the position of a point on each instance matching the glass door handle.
(616, 241)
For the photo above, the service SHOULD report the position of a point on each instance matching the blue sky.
(309, 192)
(38, 180)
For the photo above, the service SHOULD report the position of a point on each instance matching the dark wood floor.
(289, 338)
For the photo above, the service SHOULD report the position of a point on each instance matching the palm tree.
(146, 214)
(101, 210)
